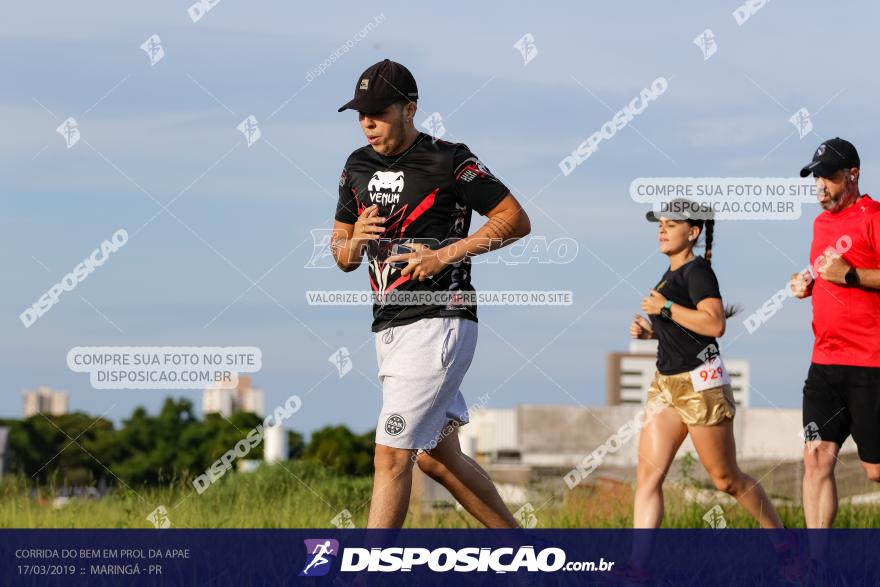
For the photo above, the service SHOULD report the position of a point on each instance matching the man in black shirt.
(405, 200)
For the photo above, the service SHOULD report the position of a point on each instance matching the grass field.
(302, 494)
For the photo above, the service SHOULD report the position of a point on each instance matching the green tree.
(64, 448)
(151, 450)
(296, 445)
(340, 449)
(79, 449)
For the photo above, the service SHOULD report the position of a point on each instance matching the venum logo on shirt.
(385, 187)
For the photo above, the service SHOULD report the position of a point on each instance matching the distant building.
(242, 398)
(629, 375)
(526, 445)
(548, 436)
(45, 401)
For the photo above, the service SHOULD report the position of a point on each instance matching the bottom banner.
(434, 557)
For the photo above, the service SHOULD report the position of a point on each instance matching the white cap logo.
(364, 83)
(820, 150)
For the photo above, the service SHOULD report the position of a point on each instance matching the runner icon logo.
(706, 42)
(320, 553)
(708, 353)
(811, 437)
(395, 424)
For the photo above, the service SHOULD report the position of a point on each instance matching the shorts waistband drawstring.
(388, 336)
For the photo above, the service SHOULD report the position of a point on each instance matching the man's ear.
(410, 110)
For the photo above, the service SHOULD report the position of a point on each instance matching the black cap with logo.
(830, 156)
(381, 85)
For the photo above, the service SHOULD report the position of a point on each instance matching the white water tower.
(274, 444)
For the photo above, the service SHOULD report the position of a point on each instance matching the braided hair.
(709, 236)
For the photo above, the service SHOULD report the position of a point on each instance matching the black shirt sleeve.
(702, 283)
(475, 184)
(346, 207)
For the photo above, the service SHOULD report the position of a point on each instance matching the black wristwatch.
(852, 276)
(666, 310)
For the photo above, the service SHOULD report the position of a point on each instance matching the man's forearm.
(347, 253)
(499, 231)
(869, 278)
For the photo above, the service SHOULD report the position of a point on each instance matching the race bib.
(711, 373)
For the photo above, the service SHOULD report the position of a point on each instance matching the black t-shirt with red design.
(426, 195)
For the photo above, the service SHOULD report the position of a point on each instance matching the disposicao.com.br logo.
(321, 553)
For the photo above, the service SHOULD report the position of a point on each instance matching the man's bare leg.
(872, 470)
(820, 488)
(820, 492)
(392, 483)
(466, 481)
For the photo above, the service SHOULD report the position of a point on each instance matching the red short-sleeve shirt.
(846, 320)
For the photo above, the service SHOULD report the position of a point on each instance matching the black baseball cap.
(830, 156)
(683, 209)
(381, 85)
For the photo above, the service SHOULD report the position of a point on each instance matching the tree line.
(79, 449)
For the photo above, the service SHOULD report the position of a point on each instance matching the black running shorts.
(840, 400)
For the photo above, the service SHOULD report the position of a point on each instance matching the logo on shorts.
(395, 424)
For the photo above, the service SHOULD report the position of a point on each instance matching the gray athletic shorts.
(421, 366)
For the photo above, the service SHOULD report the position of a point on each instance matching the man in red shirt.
(842, 390)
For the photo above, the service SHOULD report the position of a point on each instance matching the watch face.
(851, 276)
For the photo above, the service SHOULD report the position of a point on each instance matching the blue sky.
(245, 213)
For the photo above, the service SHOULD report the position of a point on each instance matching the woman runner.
(691, 392)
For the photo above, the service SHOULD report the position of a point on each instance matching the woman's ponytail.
(709, 229)
(709, 236)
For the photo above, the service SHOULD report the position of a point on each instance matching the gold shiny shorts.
(696, 408)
